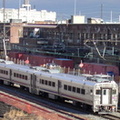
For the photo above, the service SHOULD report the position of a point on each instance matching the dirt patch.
(19, 115)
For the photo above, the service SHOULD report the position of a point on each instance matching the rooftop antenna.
(101, 11)
(19, 4)
(34, 6)
(4, 46)
(75, 1)
(111, 17)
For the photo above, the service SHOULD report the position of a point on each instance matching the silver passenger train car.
(99, 92)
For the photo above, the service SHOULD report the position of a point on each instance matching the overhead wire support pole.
(4, 45)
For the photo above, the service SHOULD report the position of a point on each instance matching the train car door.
(106, 96)
(33, 83)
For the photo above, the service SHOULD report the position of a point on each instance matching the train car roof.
(59, 76)
(75, 78)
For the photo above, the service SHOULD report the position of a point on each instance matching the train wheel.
(61, 99)
(1, 81)
(11, 84)
(22, 87)
(26, 89)
(45, 95)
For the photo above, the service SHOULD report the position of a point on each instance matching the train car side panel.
(47, 84)
(21, 77)
(77, 92)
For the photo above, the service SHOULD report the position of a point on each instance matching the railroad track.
(118, 110)
(111, 117)
(61, 111)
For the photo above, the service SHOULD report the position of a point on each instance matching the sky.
(107, 9)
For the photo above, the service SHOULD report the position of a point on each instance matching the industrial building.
(100, 40)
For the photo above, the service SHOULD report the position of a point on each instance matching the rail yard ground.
(10, 113)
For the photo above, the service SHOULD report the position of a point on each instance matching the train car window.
(113, 91)
(69, 88)
(16, 75)
(42, 81)
(104, 92)
(45, 82)
(83, 91)
(78, 90)
(65, 87)
(91, 92)
(20, 76)
(1, 71)
(53, 84)
(98, 92)
(49, 83)
(74, 89)
(26, 78)
(23, 77)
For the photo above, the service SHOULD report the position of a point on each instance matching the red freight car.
(37, 60)
(64, 62)
(94, 68)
